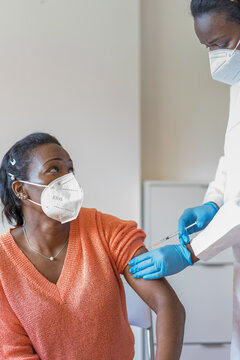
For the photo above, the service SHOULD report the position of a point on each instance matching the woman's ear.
(18, 190)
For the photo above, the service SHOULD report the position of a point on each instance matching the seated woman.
(61, 296)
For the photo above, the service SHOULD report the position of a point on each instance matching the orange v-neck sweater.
(83, 316)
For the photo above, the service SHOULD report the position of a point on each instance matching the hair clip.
(13, 162)
(11, 176)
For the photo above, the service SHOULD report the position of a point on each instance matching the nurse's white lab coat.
(225, 187)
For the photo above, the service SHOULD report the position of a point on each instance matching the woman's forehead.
(211, 26)
(46, 152)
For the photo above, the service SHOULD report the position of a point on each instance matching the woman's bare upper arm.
(153, 292)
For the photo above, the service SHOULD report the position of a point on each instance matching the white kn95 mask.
(61, 199)
(225, 65)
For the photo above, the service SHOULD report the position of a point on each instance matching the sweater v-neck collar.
(59, 290)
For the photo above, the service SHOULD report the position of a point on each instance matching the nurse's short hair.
(229, 8)
(14, 166)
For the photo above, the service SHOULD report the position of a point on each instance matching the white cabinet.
(206, 293)
(200, 352)
(205, 351)
(205, 289)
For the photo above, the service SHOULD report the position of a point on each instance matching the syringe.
(172, 235)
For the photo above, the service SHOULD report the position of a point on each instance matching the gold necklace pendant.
(51, 258)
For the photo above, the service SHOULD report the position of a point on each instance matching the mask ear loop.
(233, 52)
(34, 202)
(30, 183)
(235, 49)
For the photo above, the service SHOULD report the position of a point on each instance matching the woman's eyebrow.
(60, 159)
(216, 39)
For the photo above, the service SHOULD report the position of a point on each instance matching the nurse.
(217, 25)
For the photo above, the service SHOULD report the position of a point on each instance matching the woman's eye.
(53, 170)
(221, 46)
(216, 47)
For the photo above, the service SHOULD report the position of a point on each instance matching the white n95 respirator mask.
(225, 65)
(62, 199)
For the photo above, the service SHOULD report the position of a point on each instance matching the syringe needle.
(172, 235)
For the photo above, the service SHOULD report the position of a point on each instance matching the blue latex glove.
(202, 215)
(164, 261)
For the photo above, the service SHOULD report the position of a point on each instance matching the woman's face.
(48, 162)
(214, 31)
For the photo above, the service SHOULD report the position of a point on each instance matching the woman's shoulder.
(5, 248)
(106, 225)
(4, 236)
(95, 215)
(5, 239)
(87, 214)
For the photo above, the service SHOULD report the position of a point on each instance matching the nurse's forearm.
(193, 257)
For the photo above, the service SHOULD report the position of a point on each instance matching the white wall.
(184, 112)
(71, 68)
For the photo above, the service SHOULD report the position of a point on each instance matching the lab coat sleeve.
(216, 188)
(221, 233)
(14, 342)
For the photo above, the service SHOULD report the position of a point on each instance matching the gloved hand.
(164, 261)
(202, 215)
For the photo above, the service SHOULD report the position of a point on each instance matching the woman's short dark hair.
(14, 166)
(229, 8)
